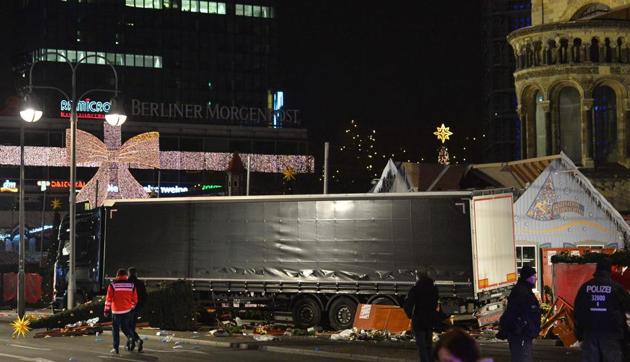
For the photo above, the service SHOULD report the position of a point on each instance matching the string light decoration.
(355, 158)
(141, 152)
(113, 179)
(21, 326)
(443, 156)
(169, 160)
(443, 134)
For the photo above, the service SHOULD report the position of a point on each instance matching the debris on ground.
(219, 333)
(355, 334)
(264, 338)
(80, 330)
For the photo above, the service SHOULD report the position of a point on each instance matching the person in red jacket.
(121, 299)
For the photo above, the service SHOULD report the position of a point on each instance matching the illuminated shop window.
(255, 11)
(126, 60)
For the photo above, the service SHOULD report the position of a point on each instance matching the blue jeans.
(121, 322)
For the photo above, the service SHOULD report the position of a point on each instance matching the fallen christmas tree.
(169, 306)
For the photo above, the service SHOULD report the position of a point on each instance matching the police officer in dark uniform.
(600, 320)
(520, 323)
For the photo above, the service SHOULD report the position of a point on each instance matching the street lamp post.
(31, 112)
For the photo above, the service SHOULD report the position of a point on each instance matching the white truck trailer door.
(494, 253)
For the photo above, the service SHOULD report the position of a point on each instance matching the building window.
(203, 6)
(605, 124)
(255, 11)
(525, 255)
(146, 4)
(129, 60)
(569, 123)
(541, 126)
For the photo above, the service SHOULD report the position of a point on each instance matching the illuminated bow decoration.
(113, 178)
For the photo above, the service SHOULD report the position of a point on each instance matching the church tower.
(572, 81)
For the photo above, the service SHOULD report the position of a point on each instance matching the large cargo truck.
(314, 257)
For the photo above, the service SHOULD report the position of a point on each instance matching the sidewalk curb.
(276, 349)
(234, 345)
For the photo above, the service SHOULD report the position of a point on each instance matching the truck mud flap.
(489, 314)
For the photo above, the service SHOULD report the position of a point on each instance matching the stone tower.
(572, 81)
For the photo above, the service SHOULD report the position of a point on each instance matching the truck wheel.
(341, 313)
(306, 313)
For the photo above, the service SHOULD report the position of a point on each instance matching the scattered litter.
(239, 321)
(264, 338)
(75, 329)
(219, 333)
(345, 335)
(195, 335)
(92, 322)
(355, 334)
(167, 339)
(178, 346)
(163, 333)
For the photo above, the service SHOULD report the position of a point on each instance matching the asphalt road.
(92, 348)
(96, 348)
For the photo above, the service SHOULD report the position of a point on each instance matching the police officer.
(599, 313)
(520, 323)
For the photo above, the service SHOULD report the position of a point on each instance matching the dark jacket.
(421, 303)
(600, 307)
(142, 291)
(522, 314)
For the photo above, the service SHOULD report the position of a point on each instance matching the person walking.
(599, 313)
(121, 299)
(421, 307)
(135, 313)
(520, 323)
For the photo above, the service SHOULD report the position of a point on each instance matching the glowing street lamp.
(32, 112)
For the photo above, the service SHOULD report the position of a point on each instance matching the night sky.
(400, 67)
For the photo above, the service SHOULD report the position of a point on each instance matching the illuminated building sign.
(86, 108)
(216, 112)
(210, 187)
(278, 106)
(59, 184)
(9, 186)
(166, 189)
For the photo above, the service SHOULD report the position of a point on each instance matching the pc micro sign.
(87, 108)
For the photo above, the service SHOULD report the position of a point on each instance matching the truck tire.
(306, 313)
(341, 313)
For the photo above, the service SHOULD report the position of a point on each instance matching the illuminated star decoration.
(288, 174)
(55, 204)
(20, 326)
(443, 133)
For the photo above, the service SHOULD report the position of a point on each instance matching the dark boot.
(140, 343)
